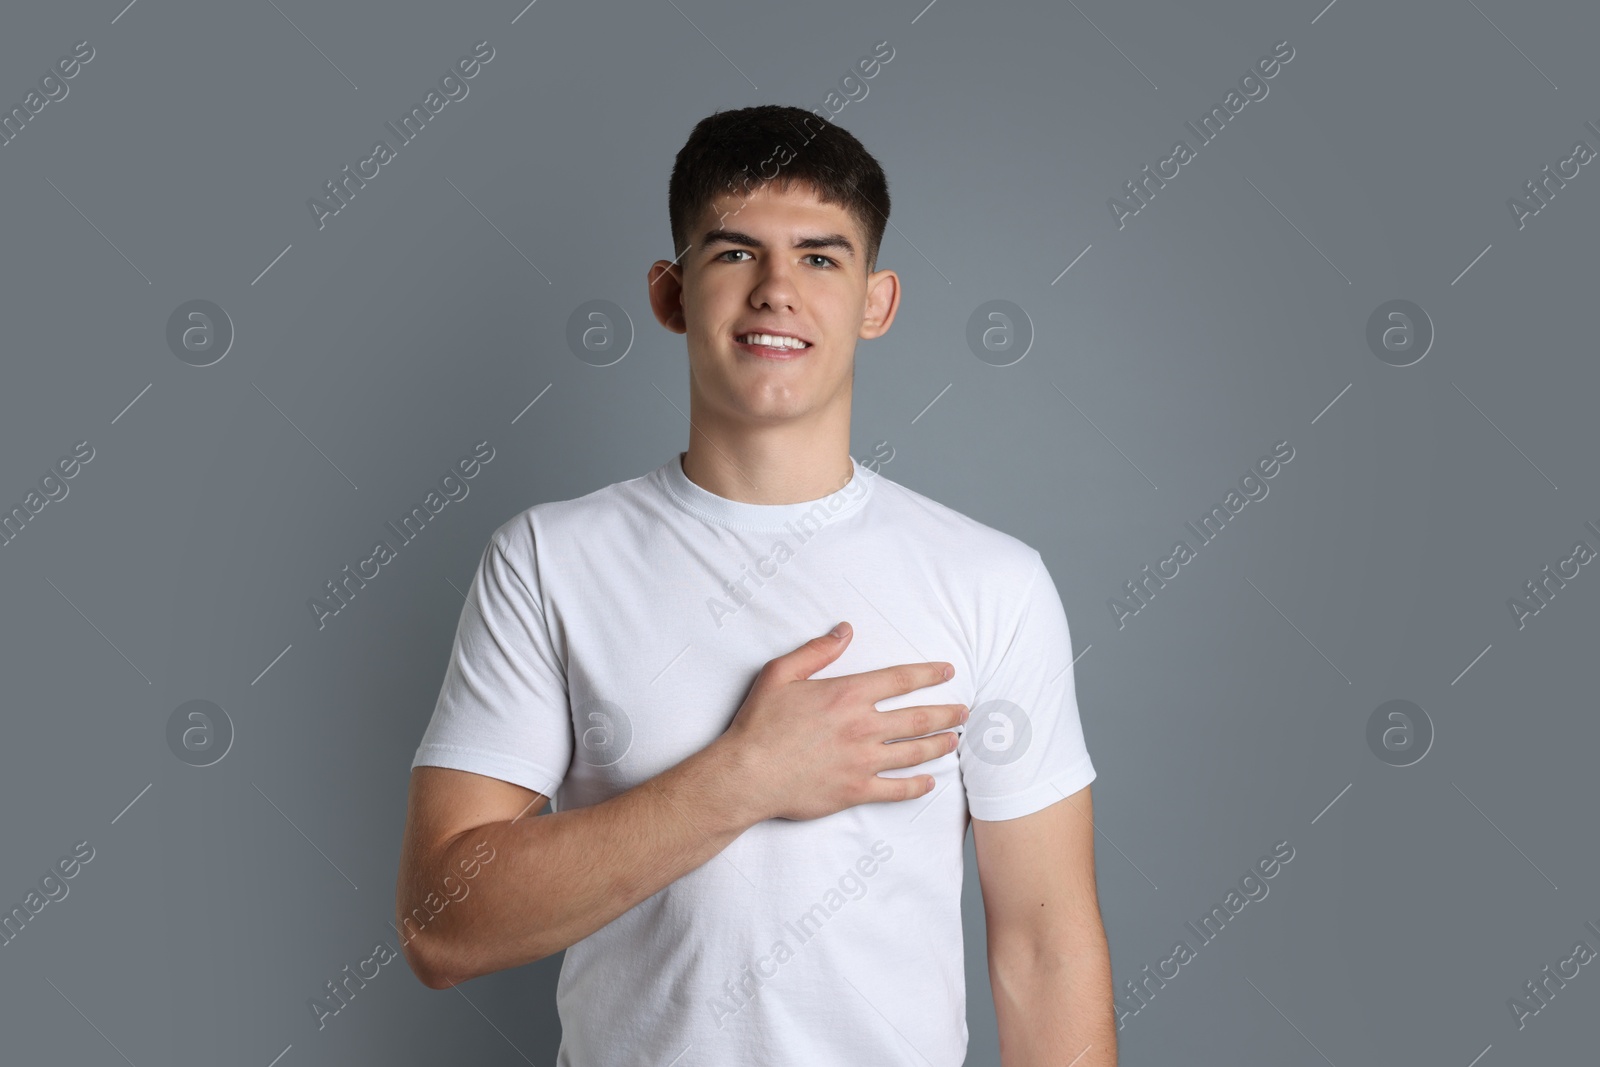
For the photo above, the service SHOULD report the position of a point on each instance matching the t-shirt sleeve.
(1022, 747)
(502, 709)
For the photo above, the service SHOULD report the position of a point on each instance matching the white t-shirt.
(608, 638)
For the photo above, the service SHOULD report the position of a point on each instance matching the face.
(773, 262)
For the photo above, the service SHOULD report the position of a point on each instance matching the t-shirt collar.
(741, 515)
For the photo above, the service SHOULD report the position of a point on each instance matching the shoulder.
(963, 544)
(555, 525)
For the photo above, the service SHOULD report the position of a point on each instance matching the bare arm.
(551, 880)
(1049, 965)
(799, 748)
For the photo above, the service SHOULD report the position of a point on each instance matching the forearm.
(555, 879)
(1055, 1008)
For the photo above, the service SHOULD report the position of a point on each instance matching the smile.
(772, 346)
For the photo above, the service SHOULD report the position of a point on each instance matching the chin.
(759, 405)
(758, 410)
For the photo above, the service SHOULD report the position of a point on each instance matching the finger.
(890, 789)
(900, 678)
(912, 753)
(917, 720)
(812, 656)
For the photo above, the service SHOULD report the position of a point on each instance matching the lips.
(771, 344)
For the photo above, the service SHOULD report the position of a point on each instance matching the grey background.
(1228, 315)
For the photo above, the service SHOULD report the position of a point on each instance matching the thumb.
(816, 653)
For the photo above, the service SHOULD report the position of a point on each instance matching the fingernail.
(838, 631)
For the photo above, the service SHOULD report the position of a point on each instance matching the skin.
(776, 433)
(766, 432)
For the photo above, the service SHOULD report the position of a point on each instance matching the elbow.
(429, 964)
(437, 982)
(438, 965)
(435, 977)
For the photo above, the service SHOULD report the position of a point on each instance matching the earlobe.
(665, 285)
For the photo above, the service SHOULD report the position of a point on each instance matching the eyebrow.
(824, 240)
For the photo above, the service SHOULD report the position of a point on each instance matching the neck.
(788, 464)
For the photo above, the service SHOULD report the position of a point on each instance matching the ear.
(883, 300)
(665, 283)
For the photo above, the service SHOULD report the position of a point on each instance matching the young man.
(755, 849)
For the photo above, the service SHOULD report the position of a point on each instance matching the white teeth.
(772, 340)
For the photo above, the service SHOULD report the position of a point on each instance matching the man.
(755, 849)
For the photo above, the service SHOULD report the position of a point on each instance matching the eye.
(732, 251)
(825, 259)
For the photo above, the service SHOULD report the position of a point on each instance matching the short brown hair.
(740, 151)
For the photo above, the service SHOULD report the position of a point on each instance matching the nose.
(775, 288)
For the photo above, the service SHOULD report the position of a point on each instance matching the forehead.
(777, 210)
